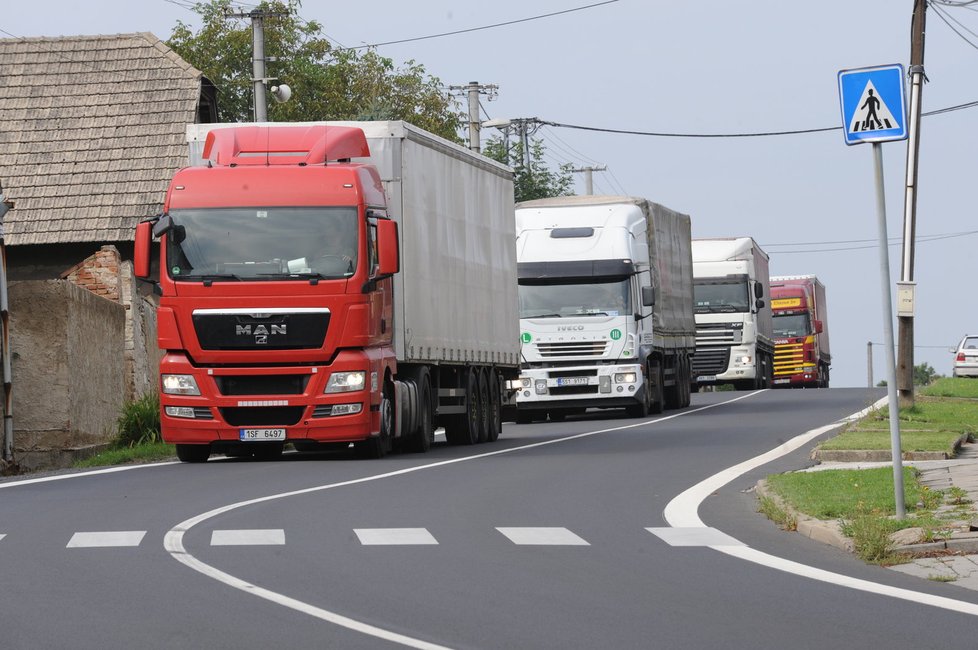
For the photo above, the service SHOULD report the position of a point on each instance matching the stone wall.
(68, 370)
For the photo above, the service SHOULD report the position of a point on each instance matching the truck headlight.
(625, 377)
(179, 385)
(346, 382)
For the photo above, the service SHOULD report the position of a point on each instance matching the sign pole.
(891, 384)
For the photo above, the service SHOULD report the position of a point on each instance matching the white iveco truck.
(606, 306)
(734, 330)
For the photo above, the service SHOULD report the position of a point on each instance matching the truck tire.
(420, 440)
(659, 390)
(378, 446)
(495, 407)
(464, 429)
(193, 453)
(485, 419)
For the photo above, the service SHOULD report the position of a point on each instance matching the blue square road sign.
(873, 104)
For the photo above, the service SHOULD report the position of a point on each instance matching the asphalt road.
(540, 540)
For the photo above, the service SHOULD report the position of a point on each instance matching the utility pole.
(917, 78)
(258, 57)
(7, 454)
(473, 89)
(588, 180)
(869, 364)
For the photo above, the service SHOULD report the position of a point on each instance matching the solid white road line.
(694, 537)
(395, 536)
(106, 539)
(95, 472)
(173, 541)
(682, 512)
(542, 537)
(260, 537)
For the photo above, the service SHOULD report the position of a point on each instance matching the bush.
(139, 422)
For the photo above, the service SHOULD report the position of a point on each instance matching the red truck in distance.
(306, 280)
(801, 332)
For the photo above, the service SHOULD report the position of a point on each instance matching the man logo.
(260, 332)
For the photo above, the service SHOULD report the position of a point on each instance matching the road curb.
(826, 532)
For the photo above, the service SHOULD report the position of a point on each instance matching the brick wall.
(99, 273)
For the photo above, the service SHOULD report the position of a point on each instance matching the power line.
(946, 19)
(476, 29)
(662, 134)
(943, 235)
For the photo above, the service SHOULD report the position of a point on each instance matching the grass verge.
(863, 500)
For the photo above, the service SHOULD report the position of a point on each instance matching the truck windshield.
(788, 325)
(711, 297)
(262, 243)
(558, 300)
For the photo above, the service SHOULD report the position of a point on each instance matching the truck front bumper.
(233, 406)
(606, 386)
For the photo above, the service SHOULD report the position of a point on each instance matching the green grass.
(142, 453)
(932, 424)
(863, 500)
(951, 387)
(843, 493)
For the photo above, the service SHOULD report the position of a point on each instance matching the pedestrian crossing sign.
(873, 104)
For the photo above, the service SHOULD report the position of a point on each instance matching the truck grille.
(565, 349)
(262, 416)
(241, 331)
(710, 360)
(789, 359)
(720, 335)
(262, 384)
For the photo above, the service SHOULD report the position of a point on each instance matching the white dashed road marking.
(694, 537)
(542, 537)
(394, 536)
(267, 537)
(106, 539)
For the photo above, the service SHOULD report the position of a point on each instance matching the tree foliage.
(327, 83)
(535, 180)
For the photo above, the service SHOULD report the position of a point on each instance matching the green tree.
(327, 83)
(924, 374)
(536, 181)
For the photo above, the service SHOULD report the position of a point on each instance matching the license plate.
(706, 378)
(262, 434)
(781, 381)
(572, 381)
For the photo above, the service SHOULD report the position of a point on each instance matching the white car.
(966, 357)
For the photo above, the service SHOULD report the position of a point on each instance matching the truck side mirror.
(758, 291)
(648, 296)
(142, 253)
(759, 303)
(818, 327)
(388, 260)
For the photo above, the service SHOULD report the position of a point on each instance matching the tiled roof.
(91, 129)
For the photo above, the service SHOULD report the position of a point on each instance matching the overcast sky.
(706, 67)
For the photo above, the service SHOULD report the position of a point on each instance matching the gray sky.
(706, 67)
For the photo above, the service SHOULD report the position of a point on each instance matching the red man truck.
(328, 284)
(801, 332)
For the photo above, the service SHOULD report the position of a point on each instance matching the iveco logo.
(570, 328)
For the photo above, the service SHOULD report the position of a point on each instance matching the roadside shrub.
(139, 422)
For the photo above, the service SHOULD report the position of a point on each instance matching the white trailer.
(734, 330)
(606, 314)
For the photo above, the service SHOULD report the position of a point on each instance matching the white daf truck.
(606, 306)
(734, 329)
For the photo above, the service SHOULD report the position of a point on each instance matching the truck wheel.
(423, 436)
(464, 429)
(495, 407)
(658, 391)
(193, 453)
(485, 419)
(377, 447)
